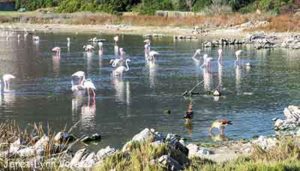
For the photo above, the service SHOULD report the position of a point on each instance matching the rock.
(77, 157)
(105, 152)
(278, 123)
(194, 150)
(87, 161)
(144, 135)
(170, 163)
(265, 143)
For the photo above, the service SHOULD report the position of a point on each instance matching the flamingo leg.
(88, 90)
(94, 96)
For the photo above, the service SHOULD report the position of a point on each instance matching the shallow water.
(252, 96)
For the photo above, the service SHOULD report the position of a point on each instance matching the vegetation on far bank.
(150, 6)
(279, 23)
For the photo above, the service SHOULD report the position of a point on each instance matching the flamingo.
(220, 51)
(88, 48)
(206, 61)
(147, 46)
(100, 44)
(152, 55)
(81, 76)
(68, 41)
(119, 71)
(6, 80)
(36, 39)
(198, 52)
(86, 84)
(237, 55)
(220, 124)
(89, 86)
(115, 62)
(116, 47)
(122, 53)
(116, 39)
(57, 50)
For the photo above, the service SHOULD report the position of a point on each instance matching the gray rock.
(264, 142)
(144, 135)
(170, 163)
(105, 152)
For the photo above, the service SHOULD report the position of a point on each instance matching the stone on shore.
(169, 163)
(105, 152)
(291, 122)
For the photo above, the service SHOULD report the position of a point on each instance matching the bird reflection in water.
(152, 73)
(86, 110)
(218, 137)
(188, 116)
(56, 64)
(122, 90)
(207, 79)
(8, 93)
(238, 76)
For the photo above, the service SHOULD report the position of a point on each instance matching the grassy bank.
(143, 156)
(281, 23)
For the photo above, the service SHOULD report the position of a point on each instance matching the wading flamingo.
(152, 55)
(68, 41)
(57, 50)
(237, 55)
(100, 44)
(206, 61)
(89, 86)
(6, 80)
(119, 71)
(88, 48)
(116, 47)
(220, 58)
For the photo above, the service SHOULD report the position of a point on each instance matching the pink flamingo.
(57, 50)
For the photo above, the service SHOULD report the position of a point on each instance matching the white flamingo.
(88, 48)
(77, 86)
(6, 80)
(68, 41)
(89, 86)
(119, 71)
(152, 55)
(100, 44)
(206, 61)
(116, 39)
(237, 55)
(220, 58)
(57, 50)
(36, 39)
(115, 62)
(83, 84)
(122, 53)
(147, 47)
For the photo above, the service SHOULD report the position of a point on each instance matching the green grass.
(141, 156)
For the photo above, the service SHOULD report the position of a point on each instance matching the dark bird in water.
(220, 124)
(189, 112)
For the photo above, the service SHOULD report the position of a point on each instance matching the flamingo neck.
(194, 57)
(127, 67)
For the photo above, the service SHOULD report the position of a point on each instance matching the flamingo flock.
(82, 86)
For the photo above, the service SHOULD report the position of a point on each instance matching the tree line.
(150, 6)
